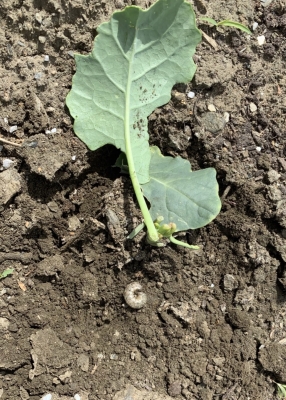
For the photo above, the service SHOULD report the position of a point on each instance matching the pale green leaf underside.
(189, 199)
(137, 57)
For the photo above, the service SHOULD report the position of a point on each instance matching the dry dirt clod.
(4, 324)
(117, 205)
(213, 122)
(10, 184)
(113, 223)
(83, 362)
(229, 282)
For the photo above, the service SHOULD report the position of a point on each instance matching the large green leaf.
(188, 198)
(137, 57)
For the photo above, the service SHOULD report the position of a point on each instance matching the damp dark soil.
(214, 323)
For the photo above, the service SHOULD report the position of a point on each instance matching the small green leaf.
(188, 199)
(281, 390)
(234, 24)
(137, 58)
(7, 272)
(209, 20)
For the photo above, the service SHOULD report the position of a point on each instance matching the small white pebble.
(266, 3)
(212, 285)
(42, 39)
(7, 163)
(38, 75)
(46, 58)
(13, 128)
(252, 107)
(73, 158)
(211, 107)
(47, 131)
(54, 130)
(6, 120)
(226, 116)
(38, 18)
(77, 397)
(47, 397)
(261, 40)
(254, 26)
(223, 307)
(191, 95)
(258, 149)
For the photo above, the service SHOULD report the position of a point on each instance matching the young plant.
(137, 58)
(227, 22)
(6, 272)
(281, 390)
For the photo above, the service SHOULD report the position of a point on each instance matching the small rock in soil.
(213, 122)
(261, 40)
(178, 97)
(48, 352)
(245, 297)
(83, 362)
(135, 355)
(7, 163)
(48, 157)
(74, 223)
(219, 361)
(229, 282)
(37, 318)
(4, 324)
(272, 176)
(10, 184)
(65, 378)
(175, 388)
(274, 193)
(23, 394)
(282, 162)
(211, 108)
(50, 266)
(252, 107)
(87, 287)
(239, 319)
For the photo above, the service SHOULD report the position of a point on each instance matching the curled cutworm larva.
(134, 296)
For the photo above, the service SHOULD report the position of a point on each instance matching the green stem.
(183, 244)
(152, 232)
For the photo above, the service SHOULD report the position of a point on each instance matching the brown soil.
(214, 323)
